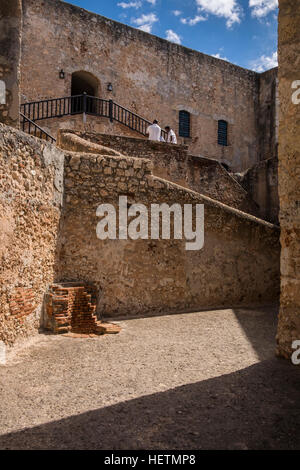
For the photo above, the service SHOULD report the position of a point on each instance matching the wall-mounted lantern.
(109, 87)
(62, 74)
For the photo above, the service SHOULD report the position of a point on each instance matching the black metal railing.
(84, 104)
(29, 126)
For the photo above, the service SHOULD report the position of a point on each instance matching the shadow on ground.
(259, 329)
(255, 408)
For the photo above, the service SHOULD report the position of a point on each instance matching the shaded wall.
(10, 49)
(289, 172)
(268, 114)
(261, 183)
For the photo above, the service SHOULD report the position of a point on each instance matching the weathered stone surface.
(31, 187)
(69, 141)
(289, 176)
(10, 48)
(261, 183)
(238, 265)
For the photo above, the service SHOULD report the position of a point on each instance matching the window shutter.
(184, 124)
(222, 132)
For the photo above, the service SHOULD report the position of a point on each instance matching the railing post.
(111, 117)
(84, 106)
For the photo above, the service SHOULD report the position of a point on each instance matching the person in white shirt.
(154, 131)
(171, 136)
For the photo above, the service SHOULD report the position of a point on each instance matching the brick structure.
(22, 302)
(71, 307)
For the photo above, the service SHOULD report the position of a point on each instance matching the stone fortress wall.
(48, 198)
(48, 221)
(150, 76)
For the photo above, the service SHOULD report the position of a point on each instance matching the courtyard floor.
(206, 380)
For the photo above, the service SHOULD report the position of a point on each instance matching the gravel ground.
(206, 380)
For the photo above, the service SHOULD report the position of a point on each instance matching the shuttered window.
(222, 132)
(184, 124)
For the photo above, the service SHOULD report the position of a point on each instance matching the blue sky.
(241, 31)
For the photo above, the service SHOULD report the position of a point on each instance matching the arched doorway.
(84, 82)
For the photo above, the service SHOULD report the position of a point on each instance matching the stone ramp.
(170, 162)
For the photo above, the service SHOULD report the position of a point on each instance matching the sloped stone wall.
(173, 163)
(239, 264)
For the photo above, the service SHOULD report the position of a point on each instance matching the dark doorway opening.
(84, 82)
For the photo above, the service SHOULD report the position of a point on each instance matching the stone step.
(105, 328)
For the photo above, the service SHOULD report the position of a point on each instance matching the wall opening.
(84, 82)
(222, 133)
(184, 124)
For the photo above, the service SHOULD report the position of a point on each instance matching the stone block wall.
(289, 175)
(173, 163)
(10, 49)
(31, 188)
(239, 264)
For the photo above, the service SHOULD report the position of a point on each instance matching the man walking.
(154, 131)
(171, 136)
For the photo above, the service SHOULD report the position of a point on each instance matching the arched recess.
(84, 82)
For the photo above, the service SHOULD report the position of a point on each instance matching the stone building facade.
(151, 77)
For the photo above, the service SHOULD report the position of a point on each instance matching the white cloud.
(262, 7)
(145, 22)
(265, 63)
(229, 9)
(176, 12)
(193, 21)
(146, 27)
(172, 36)
(145, 19)
(136, 5)
(153, 2)
(218, 56)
